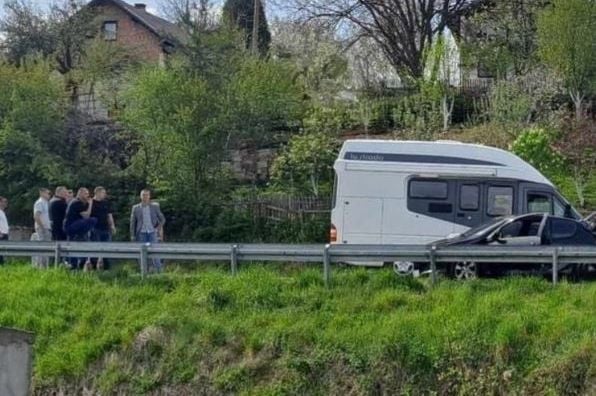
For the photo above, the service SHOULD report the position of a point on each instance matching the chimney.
(141, 6)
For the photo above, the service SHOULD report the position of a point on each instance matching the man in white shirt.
(4, 229)
(43, 226)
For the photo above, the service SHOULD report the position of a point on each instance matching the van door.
(469, 204)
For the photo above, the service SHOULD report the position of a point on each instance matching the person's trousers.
(58, 234)
(150, 237)
(79, 231)
(101, 236)
(3, 237)
(43, 235)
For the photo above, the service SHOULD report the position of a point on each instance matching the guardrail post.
(326, 265)
(433, 265)
(555, 266)
(144, 259)
(234, 259)
(57, 255)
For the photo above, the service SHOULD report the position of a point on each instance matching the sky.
(154, 6)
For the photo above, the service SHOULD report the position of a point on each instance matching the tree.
(316, 55)
(32, 140)
(567, 43)
(578, 146)
(25, 32)
(502, 35)
(306, 165)
(404, 29)
(438, 82)
(241, 14)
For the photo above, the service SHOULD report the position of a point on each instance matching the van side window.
(500, 201)
(538, 203)
(469, 197)
(428, 189)
(558, 208)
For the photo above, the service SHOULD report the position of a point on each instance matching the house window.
(110, 30)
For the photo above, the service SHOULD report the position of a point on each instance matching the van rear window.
(428, 189)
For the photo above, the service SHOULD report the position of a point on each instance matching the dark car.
(535, 229)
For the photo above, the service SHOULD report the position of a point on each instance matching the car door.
(523, 231)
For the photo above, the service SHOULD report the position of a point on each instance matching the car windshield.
(483, 227)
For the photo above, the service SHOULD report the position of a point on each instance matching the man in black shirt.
(78, 221)
(57, 213)
(105, 227)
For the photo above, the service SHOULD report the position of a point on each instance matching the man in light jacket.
(146, 223)
(4, 228)
(43, 226)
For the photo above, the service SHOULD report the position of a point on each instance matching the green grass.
(280, 331)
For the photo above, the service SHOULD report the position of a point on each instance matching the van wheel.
(464, 270)
(403, 268)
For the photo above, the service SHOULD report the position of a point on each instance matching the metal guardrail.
(326, 254)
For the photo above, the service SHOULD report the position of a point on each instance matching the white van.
(408, 192)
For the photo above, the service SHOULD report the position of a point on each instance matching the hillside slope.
(279, 331)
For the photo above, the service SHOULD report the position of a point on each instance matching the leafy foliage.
(536, 146)
(567, 39)
(306, 165)
(502, 36)
(32, 154)
(578, 145)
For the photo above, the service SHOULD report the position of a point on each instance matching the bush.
(536, 147)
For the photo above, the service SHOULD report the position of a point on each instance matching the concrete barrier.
(16, 357)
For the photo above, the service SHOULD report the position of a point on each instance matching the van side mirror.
(568, 211)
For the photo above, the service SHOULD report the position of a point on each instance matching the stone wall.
(252, 165)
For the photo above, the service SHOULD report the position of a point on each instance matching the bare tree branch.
(403, 29)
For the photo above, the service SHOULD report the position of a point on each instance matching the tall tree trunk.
(578, 101)
(447, 111)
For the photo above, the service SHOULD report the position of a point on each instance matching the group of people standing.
(65, 217)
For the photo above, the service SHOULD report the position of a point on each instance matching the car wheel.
(403, 268)
(464, 270)
(578, 272)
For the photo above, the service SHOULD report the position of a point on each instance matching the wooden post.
(555, 266)
(433, 265)
(234, 260)
(57, 255)
(326, 265)
(144, 259)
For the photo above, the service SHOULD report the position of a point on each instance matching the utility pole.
(255, 27)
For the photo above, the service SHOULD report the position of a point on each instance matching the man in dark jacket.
(105, 227)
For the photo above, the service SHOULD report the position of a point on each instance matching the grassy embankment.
(279, 331)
